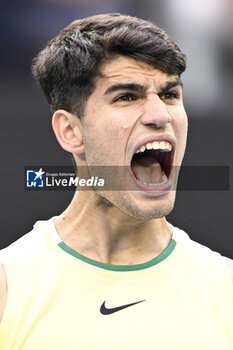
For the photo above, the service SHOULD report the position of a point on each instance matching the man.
(110, 272)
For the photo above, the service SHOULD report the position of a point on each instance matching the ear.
(68, 131)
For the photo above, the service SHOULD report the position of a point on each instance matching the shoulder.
(27, 245)
(13, 253)
(3, 290)
(18, 253)
(203, 256)
(229, 263)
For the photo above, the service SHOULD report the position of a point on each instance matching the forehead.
(126, 69)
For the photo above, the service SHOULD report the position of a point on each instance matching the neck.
(100, 231)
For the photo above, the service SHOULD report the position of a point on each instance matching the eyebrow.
(126, 86)
(142, 88)
(170, 84)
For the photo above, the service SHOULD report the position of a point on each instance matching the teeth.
(163, 146)
(155, 145)
(149, 146)
(168, 146)
(142, 149)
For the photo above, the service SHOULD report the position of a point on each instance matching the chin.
(157, 212)
(138, 205)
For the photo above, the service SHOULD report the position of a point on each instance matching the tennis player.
(110, 273)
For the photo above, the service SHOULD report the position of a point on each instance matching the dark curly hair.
(67, 67)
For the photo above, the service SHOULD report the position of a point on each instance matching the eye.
(170, 95)
(126, 97)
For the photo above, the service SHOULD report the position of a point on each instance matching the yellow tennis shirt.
(61, 300)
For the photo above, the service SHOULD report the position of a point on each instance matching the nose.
(155, 113)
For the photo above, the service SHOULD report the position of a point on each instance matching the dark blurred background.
(202, 29)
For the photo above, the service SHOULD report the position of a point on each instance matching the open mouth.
(152, 164)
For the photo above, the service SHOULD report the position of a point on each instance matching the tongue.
(147, 169)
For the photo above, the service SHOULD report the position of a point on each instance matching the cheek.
(123, 122)
(104, 144)
(119, 131)
(180, 123)
(117, 124)
(181, 128)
